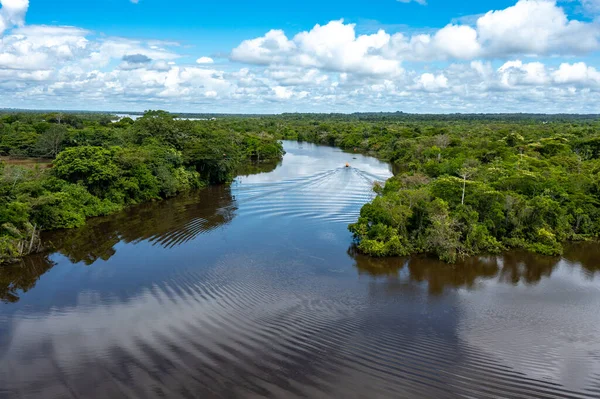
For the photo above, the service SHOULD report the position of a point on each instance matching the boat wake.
(335, 195)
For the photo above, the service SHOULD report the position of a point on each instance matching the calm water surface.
(253, 291)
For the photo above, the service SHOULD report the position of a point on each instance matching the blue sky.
(118, 16)
(217, 26)
(267, 56)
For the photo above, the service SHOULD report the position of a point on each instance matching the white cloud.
(263, 50)
(458, 42)
(296, 76)
(12, 13)
(103, 51)
(516, 72)
(431, 82)
(283, 92)
(41, 47)
(484, 70)
(26, 61)
(53, 41)
(537, 27)
(205, 60)
(36, 76)
(490, 64)
(578, 73)
(529, 28)
(334, 47)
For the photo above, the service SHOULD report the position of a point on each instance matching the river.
(253, 290)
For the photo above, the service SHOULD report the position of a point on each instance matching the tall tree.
(51, 141)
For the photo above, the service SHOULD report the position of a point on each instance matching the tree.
(93, 166)
(443, 236)
(50, 143)
(465, 173)
(468, 170)
(18, 140)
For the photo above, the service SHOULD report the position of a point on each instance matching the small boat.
(347, 165)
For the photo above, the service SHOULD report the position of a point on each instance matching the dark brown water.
(253, 291)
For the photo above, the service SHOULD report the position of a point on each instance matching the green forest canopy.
(100, 165)
(474, 184)
(464, 183)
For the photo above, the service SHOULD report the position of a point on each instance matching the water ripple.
(274, 319)
(332, 196)
(229, 333)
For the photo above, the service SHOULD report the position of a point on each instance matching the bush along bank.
(99, 167)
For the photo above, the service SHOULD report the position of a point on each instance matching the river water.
(253, 290)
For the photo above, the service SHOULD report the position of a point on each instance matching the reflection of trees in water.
(421, 269)
(255, 168)
(511, 268)
(587, 254)
(526, 267)
(22, 276)
(464, 274)
(168, 223)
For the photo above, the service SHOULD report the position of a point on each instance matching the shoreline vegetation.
(466, 185)
(463, 185)
(57, 170)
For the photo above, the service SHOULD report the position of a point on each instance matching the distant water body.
(135, 116)
(253, 290)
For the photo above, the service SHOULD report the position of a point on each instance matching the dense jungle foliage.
(463, 185)
(470, 184)
(57, 170)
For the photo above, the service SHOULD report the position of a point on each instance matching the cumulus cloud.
(103, 51)
(578, 73)
(271, 47)
(12, 13)
(205, 60)
(530, 28)
(457, 42)
(488, 63)
(282, 92)
(41, 47)
(537, 27)
(516, 72)
(431, 82)
(334, 47)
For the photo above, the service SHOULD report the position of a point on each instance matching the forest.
(472, 184)
(57, 169)
(463, 184)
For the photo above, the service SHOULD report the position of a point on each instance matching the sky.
(262, 56)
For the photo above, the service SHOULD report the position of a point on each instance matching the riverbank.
(464, 184)
(99, 168)
(468, 185)
(252, 285)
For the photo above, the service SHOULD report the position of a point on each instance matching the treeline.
(397, 116)
(90, 166)
(463, 185)
(469, 187)
(428, 118)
